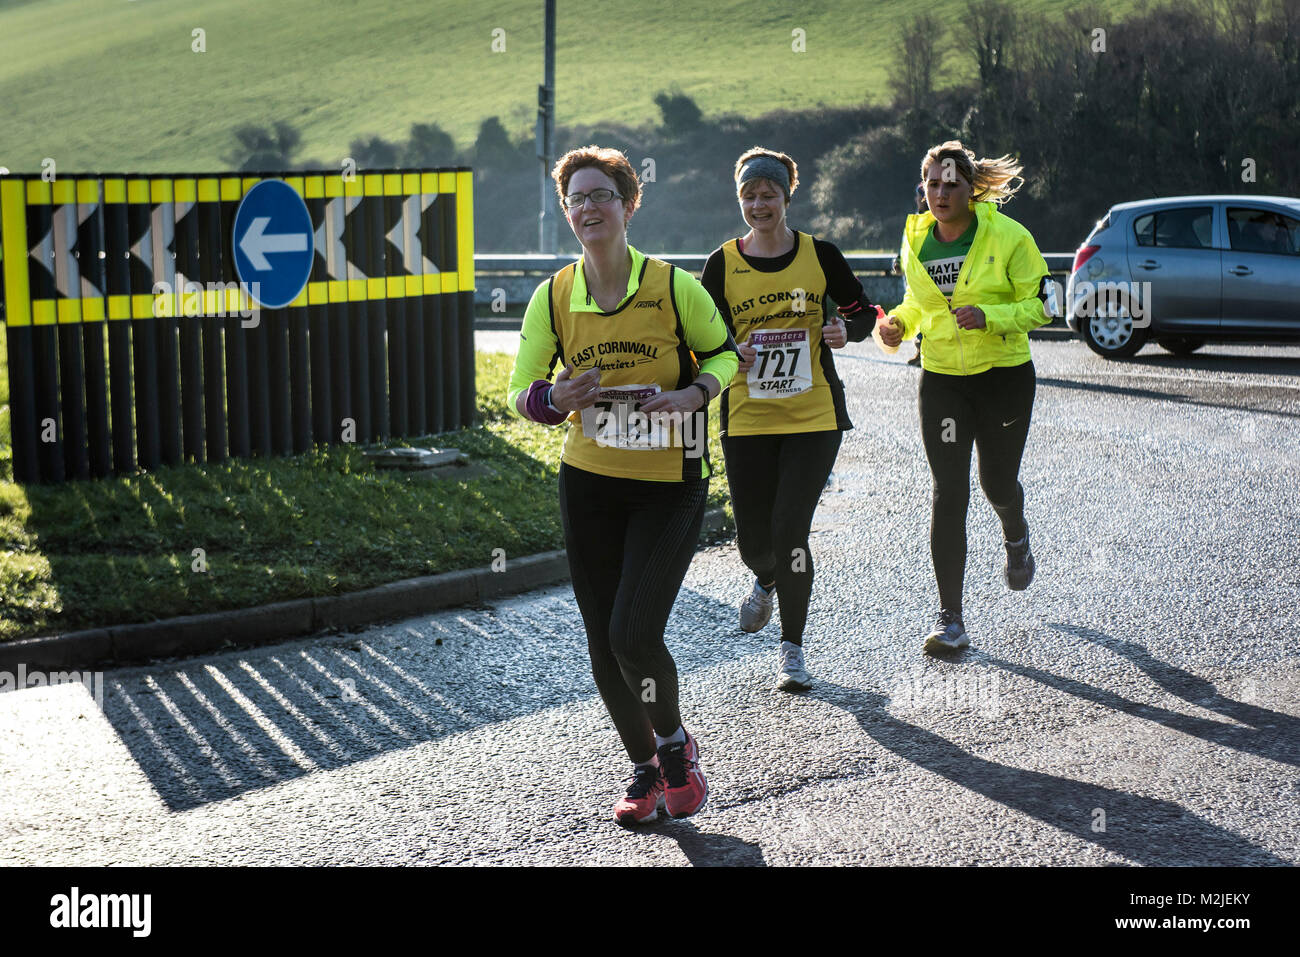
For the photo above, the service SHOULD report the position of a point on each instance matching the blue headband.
(765, 167)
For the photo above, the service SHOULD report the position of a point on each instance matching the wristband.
(703, 389)
(538, 405)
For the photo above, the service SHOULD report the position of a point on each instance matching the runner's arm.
(1026, 269)
(707, 334)
(855, 308)
(534, 362)
(908, 313)
(713, 279)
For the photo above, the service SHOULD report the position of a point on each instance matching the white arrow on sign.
(257, 243)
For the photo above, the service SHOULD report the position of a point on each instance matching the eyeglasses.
(598, 196)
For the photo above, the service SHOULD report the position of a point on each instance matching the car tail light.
(1082, 256)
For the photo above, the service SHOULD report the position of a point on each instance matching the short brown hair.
(791, 167)
(613, 163)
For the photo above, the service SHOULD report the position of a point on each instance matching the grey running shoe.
(791, 675)
(1020, 564)
(756, 609)
(948, 635)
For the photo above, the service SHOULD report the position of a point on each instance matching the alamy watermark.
(624, 426)
(93, 681)
(77, 909)
(978, 693)
(1113, 299)
(221, 299)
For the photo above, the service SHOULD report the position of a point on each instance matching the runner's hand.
(570, 395)
(684, 401)
(748, 354)
(835, 334)
(970, 317)
(891, 332)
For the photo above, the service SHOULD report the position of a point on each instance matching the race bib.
(783, 366)
(616, 420)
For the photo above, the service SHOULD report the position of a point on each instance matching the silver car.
(1187, 270)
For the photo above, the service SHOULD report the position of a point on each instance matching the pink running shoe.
(644, 798)
(687, 790)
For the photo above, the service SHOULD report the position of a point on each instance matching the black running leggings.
(776, 481)
(629, 544)
(990, 409)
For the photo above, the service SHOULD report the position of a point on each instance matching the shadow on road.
(1175, 396)
(1144, 830)
(1271, 734)
(709, 850)
(211, 728)
(1217, 362)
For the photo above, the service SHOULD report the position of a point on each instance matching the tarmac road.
(1139, 704)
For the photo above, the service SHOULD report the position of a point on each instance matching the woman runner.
(627, 332)
(976, 285)
(782, 415)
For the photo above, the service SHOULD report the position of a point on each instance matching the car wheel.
(1181, 345)
(1111, 332)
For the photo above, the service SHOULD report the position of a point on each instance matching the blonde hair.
(990, 179)
(790, 165)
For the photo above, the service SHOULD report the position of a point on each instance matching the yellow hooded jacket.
(1003, 274)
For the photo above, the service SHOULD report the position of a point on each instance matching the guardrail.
(505, 282)
(549, 262)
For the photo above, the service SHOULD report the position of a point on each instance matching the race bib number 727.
(783, 366)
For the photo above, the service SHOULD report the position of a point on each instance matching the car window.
(1144, 228)
(1186, 228)
(1262, 231)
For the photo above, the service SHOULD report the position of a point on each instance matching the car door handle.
(1149, 264)
(1241, 270)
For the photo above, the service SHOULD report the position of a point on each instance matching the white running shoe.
(791, 675)
(756, 609)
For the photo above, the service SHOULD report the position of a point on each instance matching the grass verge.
(88, 554)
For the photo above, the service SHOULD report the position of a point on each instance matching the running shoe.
(948, 635)
(644, 798)
(756, 609)
(687, 790)
(1020, 564)
(791, 674)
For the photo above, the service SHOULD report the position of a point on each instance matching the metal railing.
(504, 282)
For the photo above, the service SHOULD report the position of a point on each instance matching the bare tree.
(987, 35)
(918, 49)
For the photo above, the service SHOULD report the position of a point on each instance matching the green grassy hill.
(116, 85)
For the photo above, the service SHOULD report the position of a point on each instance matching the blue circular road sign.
(273, 243)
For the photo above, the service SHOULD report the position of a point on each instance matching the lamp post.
(545, 134)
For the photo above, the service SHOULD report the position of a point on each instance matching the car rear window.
(1262, 231)
(1184, 228)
